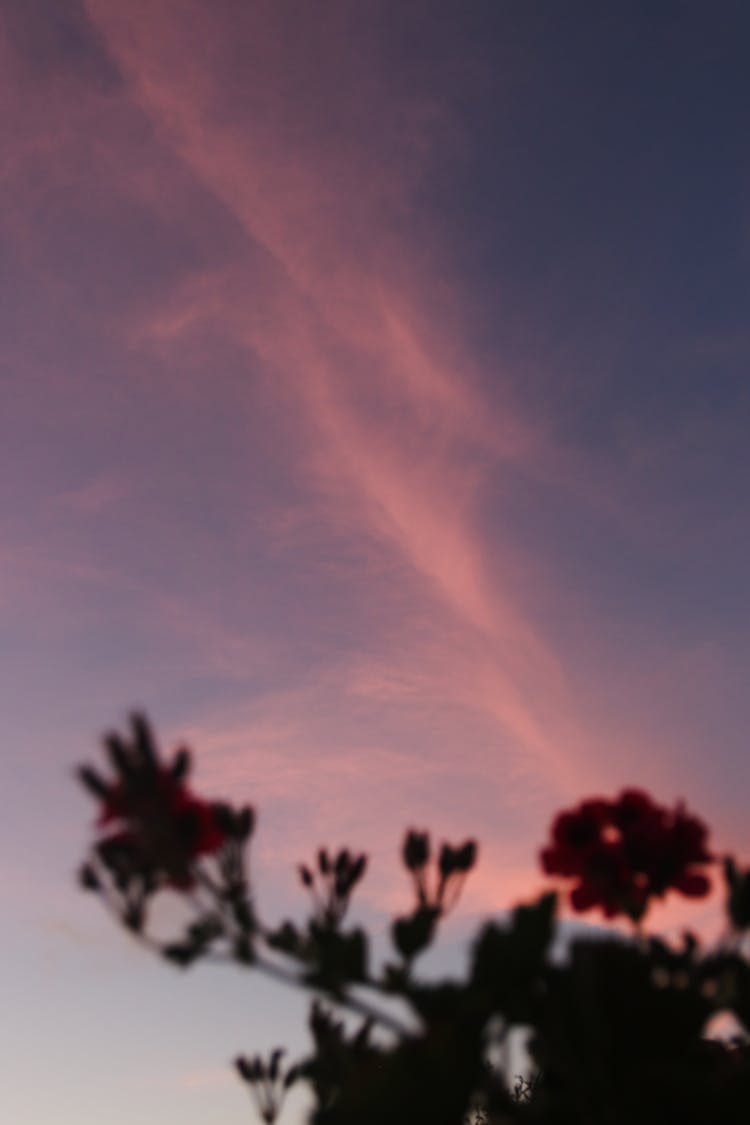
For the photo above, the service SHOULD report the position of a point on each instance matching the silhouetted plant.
(617, 1032)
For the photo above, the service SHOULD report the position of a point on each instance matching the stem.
(345, 1000)
(270, 968)
(111, 906)
(210, 886)
(278, 972)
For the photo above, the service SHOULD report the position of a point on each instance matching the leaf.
(180, 767)
(621, 1027)
(88, 878)
(224, 818)
(341, 958)
(413, 934)
(120, 757)
(246, 822)
(507, 961)
(287, 939)
(144, 742)
(93, 782)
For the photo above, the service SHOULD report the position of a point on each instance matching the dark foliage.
(616, 1032)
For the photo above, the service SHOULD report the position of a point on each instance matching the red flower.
(161, 826)
(607, 882)
(683, 845)
(624, 852)
(174, 801)
(165, 823)
(575, 835)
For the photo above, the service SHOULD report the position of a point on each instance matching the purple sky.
(374, 414)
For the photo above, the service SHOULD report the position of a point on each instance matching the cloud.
(397, 445)
(296, 472)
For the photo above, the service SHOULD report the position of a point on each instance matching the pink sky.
(394, 523)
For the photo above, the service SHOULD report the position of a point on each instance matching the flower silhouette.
(627, 851)
(161, 827)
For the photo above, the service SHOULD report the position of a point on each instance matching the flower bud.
(416, 850)
(88, 878)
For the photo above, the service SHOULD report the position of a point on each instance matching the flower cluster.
(335, 881)
(267, 1081)
(160, 826)
(452, 865)
(626, 851)
(436, 893)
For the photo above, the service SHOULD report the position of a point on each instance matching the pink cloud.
(351, 344)
(399, 445)
(390, 429)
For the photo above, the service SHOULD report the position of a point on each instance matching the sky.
(373, 413)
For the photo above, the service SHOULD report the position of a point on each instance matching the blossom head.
(159, 826)
(626, 851)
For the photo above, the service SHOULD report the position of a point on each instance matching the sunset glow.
(374, 416)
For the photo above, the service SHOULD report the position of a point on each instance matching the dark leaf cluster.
(616, 1033)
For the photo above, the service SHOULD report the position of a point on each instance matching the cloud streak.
(297, 480)
(396, 445)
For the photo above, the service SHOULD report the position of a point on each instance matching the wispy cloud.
(252, 413)
(396, 445)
